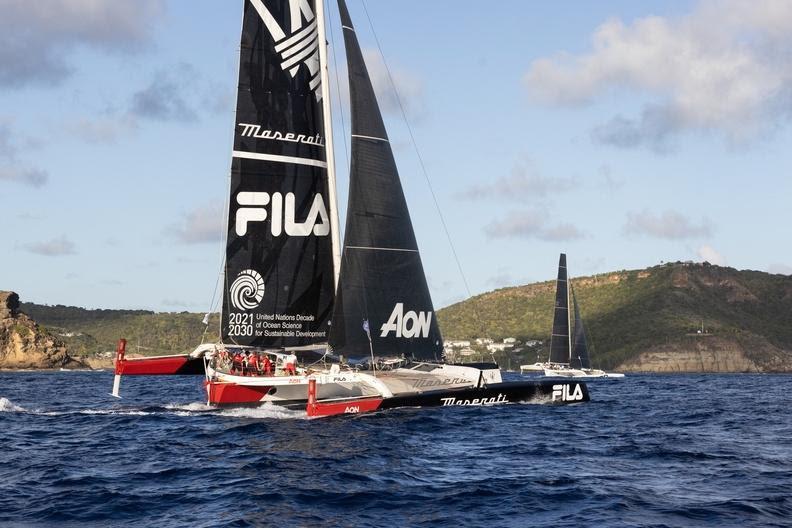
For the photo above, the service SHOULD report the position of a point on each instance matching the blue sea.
(648, 450)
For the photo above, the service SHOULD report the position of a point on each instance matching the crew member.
(253, 364)
(236, 363)
(266, 365)
(291, 364)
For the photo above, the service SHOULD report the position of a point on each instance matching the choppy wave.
(677, 451)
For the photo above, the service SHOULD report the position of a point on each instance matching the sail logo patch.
(409, 325)
(281, 214)
(300, 45)
(247, 290)
(254, 131)
(563, 393)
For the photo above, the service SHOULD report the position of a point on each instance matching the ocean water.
(676, 451)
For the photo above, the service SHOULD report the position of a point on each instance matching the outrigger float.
(290, 287)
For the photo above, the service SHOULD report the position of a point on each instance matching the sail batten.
(383, 295)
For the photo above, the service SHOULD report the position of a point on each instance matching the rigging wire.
(423, 167)
(338, 90)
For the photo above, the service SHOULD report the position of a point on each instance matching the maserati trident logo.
(247, 290)
(410, 324)
(297, 44)
(281, 214)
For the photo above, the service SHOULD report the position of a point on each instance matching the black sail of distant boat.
(559, 339)
(580, 354)
(279, 283)
(382, 289)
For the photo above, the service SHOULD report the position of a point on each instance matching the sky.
(622, 133)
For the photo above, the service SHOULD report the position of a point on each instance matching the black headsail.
(279, 284)
(580, 355)
(559, 339)
(382, 285)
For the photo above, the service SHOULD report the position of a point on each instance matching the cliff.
(24, 344)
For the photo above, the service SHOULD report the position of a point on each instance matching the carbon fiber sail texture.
(279, 285)
(382, 279)
(559, 339)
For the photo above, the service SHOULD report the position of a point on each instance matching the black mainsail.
(559, 339)
(279, 284)
(580, 355)
(382, 294)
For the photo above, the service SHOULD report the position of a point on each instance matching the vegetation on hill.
(94, 332)
(630, 312)
(626, 313)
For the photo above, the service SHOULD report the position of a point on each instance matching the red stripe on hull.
(150, 367)
(231, 393)
(347, 407)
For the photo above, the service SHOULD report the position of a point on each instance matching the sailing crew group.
(247, 363)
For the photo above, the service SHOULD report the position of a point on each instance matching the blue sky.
(622, 133)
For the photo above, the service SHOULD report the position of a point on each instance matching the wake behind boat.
(290, 286)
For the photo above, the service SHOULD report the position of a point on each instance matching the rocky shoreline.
(24, 345)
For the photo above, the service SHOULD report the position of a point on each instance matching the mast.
(335, 222)
(382, 279)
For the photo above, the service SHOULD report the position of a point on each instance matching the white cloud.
(165, 98)
(408, 85)
(531, 223)
(56, 247)
(709, 254)
(669, 225)
(201, 225)
(781, 269)
(25, 176)
(36, 37)
(524, 182)
(723, 67)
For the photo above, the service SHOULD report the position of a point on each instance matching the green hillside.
(627, 313)
(630, 312)
(92, 332)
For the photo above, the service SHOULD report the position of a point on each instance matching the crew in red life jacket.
(236, 363)
(253, 364)
(266, 365)
(291, 364)
(246, 363)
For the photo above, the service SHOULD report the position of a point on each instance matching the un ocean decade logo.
(247, 290)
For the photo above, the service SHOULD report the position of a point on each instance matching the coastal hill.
(25, 345)
(675, 317)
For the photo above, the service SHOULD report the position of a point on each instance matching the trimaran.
(569, 351)
(290, 287)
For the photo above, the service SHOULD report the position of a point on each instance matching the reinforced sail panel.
(279, 285)
(382, 290)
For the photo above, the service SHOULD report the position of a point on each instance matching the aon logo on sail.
(410, 324)
(281, 214)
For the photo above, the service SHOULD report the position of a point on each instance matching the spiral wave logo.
(247, 290)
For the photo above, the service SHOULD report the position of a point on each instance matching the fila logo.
(281, 214)
(409, 325)
(300, 45)
(563, 393)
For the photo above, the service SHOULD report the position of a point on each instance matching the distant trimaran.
(290, 286)
(569, 352)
